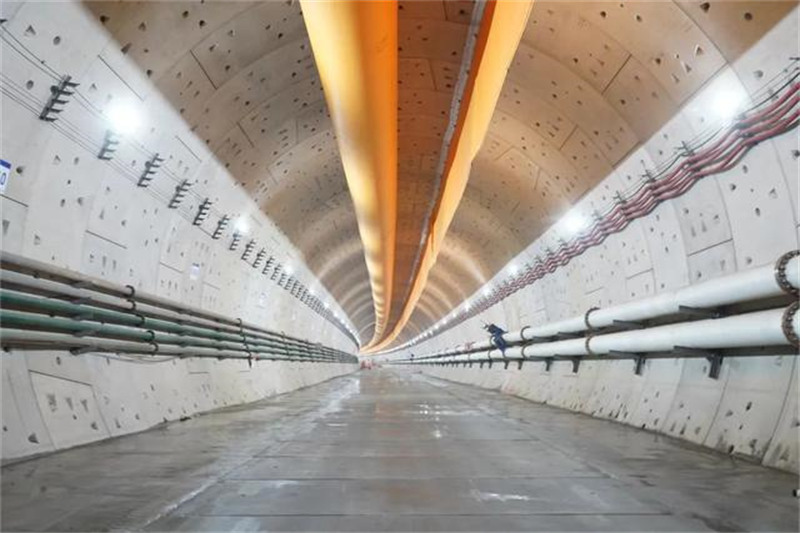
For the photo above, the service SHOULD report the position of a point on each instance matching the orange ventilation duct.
(501, 29)
(355, 47)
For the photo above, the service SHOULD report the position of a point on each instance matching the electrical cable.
(711, 152)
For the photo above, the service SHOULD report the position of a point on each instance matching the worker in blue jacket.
(497, 337)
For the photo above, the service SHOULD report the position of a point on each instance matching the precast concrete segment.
(597, 86)
(389, 450)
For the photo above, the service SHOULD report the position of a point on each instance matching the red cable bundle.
(723, 154)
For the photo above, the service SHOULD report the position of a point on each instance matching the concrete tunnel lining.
(233, 121)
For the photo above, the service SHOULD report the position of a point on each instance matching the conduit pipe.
(64, 319)
(10, 299)
(771, 328)
(21, 320)
(762, 328)
(760, 283)
(756, 284)
(24, 274)
(41, 340)
(355, 48)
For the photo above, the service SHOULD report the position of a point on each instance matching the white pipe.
(494, 355)
(754, 284)
(569, 325)
(762, 328)
(513, 354)
(758, 283)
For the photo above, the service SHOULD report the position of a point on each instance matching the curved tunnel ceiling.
(243, 77)
(590, 81)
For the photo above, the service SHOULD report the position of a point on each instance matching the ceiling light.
(574, 222)
(241, 225)
(124, 117)
(728, 102)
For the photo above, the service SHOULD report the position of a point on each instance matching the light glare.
(241, 225)
(125, 119)
(574, 222)
(728, 103)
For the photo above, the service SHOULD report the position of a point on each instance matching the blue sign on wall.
(5, 174)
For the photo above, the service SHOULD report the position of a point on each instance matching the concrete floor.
(393, 450)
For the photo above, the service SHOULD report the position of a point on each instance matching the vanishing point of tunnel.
(400, 265)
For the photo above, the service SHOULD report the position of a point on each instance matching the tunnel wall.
(744, 218)
(65, 206)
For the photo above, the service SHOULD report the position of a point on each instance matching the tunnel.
(400, 265)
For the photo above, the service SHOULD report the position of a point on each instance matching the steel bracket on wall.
(259, 257)
(180, 193)
(202, 212)
(248, 249)
(628, 325)
(639, 360)
(221, 225)
(714, 358)
(638, 365)
(701, 312)
(150, 168)
(110, 143)
(58, 99)
(560, 336)
(235, 239)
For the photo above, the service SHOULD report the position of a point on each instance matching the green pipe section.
(27, 339)
(18, 290)
(18, 319)
(16, 299)
(33, 268)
